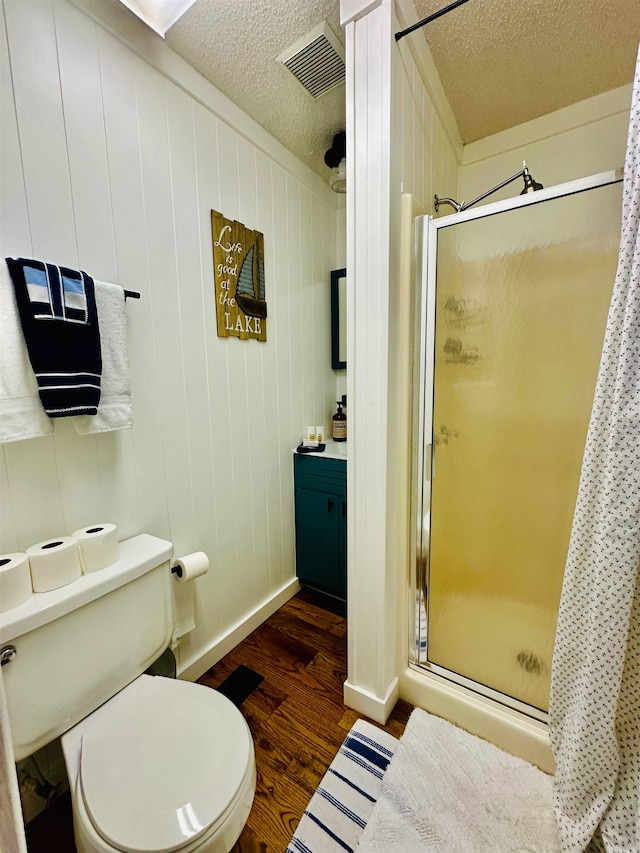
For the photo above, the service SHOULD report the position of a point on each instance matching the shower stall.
(512, 310)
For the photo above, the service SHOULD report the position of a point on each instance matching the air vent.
(316, 60)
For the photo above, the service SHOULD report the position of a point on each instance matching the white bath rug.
(446, 791)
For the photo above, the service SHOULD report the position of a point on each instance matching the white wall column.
(372, 685)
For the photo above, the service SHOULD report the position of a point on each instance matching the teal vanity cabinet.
(321, 522)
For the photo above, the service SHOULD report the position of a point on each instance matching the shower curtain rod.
(433, 17)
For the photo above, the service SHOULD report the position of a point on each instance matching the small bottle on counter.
(339, 424)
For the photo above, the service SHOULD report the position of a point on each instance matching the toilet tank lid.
(138, 555)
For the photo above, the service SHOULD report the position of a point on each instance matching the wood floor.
(296, 717)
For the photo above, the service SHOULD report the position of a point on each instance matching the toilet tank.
(77, 646)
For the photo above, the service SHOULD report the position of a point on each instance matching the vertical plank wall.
(106, 164)
(425, 160)
(428, 156)
(426, 153)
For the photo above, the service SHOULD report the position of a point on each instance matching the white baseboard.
(197, 666)
(375, 707)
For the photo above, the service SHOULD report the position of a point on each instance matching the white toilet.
(154, 764)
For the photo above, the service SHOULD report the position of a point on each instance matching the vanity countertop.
(333, 450)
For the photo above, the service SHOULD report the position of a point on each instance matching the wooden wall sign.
(238, 271)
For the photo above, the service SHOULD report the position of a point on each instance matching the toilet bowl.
(155, 764)
(163, 766)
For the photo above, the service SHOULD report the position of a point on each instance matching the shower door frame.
(427, 228)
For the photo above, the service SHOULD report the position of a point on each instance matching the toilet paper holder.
(190, 566)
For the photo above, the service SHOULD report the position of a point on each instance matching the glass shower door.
(519, 307)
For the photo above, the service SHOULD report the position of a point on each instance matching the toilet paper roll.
(15, 580)
(192, 566)
(54, 563)
(98, 545)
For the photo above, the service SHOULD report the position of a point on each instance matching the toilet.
(154, 764)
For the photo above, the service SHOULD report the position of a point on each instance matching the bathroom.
(140, 148)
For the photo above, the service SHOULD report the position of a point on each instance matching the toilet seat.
(162, 765)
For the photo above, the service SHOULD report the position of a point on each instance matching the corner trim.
(352, 10)
(375, 707)
(197, 666)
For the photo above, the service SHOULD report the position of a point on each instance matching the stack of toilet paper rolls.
(56, 562)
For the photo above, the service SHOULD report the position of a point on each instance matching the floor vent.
(316, 60)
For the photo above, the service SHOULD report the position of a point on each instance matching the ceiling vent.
(316, 60)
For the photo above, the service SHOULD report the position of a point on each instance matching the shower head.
(529, 186)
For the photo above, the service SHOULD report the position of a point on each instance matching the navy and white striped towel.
(59, 321)
(340, 807)
(55, 292)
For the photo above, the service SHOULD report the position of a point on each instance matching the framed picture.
(339, 319)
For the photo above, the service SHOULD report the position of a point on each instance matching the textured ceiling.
(234, 44)
(501, 62)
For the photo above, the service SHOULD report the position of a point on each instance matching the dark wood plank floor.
(296, 716)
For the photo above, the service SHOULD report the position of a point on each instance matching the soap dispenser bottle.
(339, 424)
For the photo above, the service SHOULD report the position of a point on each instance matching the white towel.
(115, 410)
(12, 838)
(21, 412)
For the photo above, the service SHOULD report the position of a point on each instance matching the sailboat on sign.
(250, 288)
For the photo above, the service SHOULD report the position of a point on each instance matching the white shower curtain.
(595, 684)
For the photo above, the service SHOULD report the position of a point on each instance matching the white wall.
(428, 148)
(112, 163)
(399, 138)
(583, 139)
(426, 157)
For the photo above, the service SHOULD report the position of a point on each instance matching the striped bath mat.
(339, 809)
